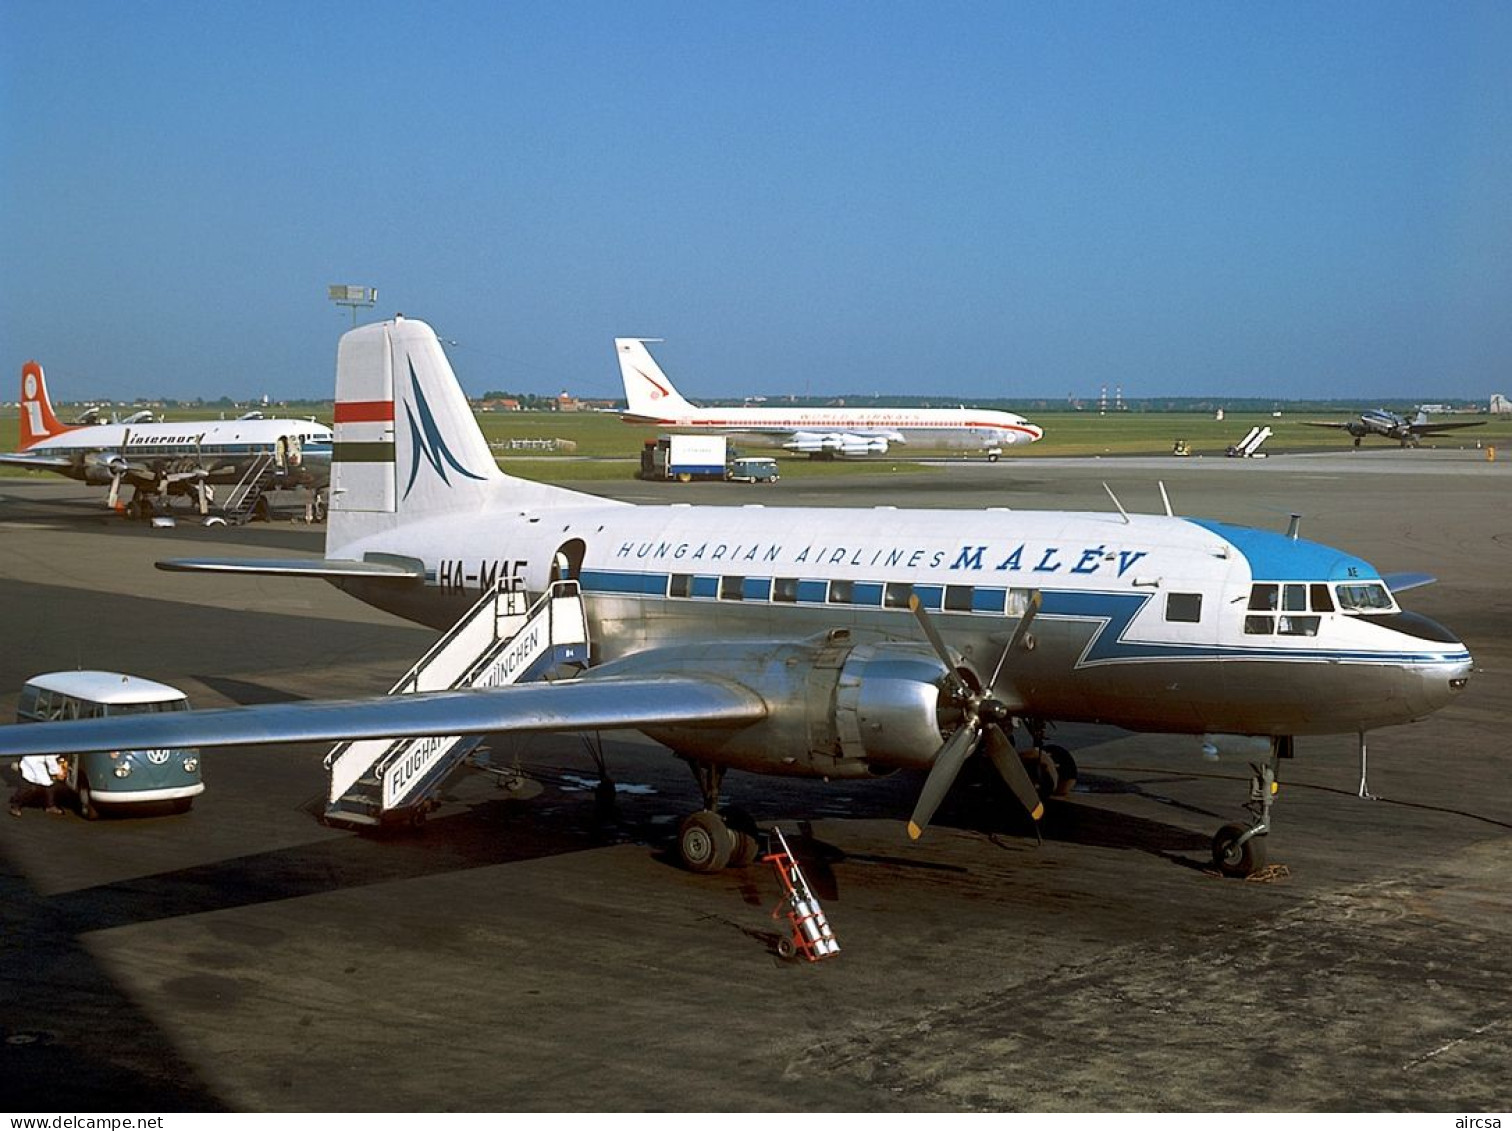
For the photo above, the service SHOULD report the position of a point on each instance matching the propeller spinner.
(983, 728)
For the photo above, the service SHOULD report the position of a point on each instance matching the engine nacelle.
(838, 708)
(102, 467)
(863, 446)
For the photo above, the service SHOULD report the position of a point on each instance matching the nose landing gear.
(1240, 850)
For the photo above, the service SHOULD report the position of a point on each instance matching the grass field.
(602, 447)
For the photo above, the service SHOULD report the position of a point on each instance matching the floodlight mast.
(344, 294)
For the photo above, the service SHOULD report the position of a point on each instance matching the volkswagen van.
(116, 780)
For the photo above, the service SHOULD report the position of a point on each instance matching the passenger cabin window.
(1183, 608)
(897, 594)
(842, 592)
(958, 598)
(732, 588)
(680, 585)
(785, 589)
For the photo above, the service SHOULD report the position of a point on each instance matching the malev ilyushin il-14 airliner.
(160, 460)
(828, 643)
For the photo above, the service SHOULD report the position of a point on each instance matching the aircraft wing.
(320, 568)
(1430, 429)
(38, 462)
(1327, 423)
(1401, 582)
(608, 703)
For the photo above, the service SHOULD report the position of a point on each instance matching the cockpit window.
(1363, 598)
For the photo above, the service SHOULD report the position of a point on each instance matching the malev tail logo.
(427, 439)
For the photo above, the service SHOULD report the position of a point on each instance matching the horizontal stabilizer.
(610, 703)
(299, 567)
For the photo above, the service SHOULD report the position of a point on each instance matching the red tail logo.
(37, 419)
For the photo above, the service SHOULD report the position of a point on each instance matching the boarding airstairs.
(1249, 447)
(502, 639)
(259, 476)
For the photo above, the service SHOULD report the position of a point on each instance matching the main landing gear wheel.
(745, 838)
(1065, 769)
(704, 842)
(1235, 858)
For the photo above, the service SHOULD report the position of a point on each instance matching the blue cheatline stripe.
(1116, 611)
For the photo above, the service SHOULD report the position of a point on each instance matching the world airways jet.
(160, 459)
(652, 399)
(836, 644)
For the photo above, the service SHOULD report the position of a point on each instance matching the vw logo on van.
(159, 757)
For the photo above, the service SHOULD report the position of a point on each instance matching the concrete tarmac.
(520, 954)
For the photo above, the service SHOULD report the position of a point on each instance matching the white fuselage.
(221, 449)
(1146, 623)
(959, 429)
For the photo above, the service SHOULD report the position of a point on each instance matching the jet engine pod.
(837, 708)
(863, 446)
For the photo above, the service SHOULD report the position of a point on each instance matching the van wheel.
(87, 808)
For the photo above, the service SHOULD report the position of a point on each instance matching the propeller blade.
(1010, 768)
(916, 606)
(958, 686)
(942, 775)
(1020, 630)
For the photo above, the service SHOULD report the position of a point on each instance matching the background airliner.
(1393, 426)
(163, 459)
(652, 399)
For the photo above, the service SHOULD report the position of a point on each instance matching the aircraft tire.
(1235, 859)
(1065, 770)
(745, 838)
(704, 843)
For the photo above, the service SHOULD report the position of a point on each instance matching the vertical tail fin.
(648, 392)
(406, 443)
(38, 421)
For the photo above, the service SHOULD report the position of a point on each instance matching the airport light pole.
(343, 294)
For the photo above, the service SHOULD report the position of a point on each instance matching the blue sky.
(976, 199)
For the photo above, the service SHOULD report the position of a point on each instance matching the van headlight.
(123, 769)
(190, 765)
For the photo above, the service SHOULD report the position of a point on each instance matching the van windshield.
(115, 710)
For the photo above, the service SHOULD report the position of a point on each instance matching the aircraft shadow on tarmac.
(50, 977)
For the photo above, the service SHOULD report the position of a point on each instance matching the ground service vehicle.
(685, 458)
(111, 779)
(753, 469)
